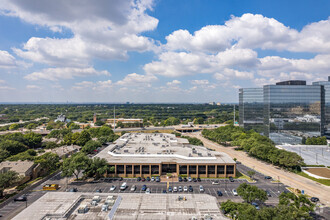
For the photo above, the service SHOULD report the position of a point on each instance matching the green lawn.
(322, 181)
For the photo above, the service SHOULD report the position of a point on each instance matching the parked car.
(73, 190)
(268, 194)
(180, 179)
(201, 188)
(175, 189)
(170, 189)
(148, 178)
(255, 205)
(235, 192)
(268, 178)
(199, 179)
(185, 189)
(121, 179)
(148, 191)
(194, 180)
(21, 199)
(157, 179)
(231, 179)
(180, 188)
(133, 188)
(315, 199)
(123, 186)
(144, 188)
(189, 179)
(152, 179)
(185, 179)
(98, 191)
(112, 188)
(164, 191)
(219, 193)
(138, 179)
(143, 179)
(216, 182)
(190, 189)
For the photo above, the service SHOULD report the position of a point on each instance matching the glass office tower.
(292, 112)
(251, 109)
(287, 111)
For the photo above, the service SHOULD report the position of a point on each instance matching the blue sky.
(157, 51)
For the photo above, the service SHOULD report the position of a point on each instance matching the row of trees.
(255, 145)
(290, 206)
(314, 141)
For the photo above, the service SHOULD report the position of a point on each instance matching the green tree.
(31, 126)
(49, 161)
(97, 168)
(13, 147)
(83, 138)
(74, 165)
(199, 120)
(32, 140)
(7, 179)
(13, 127)
(300, 202)
(251, 173)
(251, 193)
(90, 146)
(99, 123)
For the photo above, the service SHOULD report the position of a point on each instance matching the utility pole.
(234, 114)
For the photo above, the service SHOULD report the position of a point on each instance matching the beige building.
(26, 169)
(143, 154)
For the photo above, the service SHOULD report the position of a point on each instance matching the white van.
(123, 186)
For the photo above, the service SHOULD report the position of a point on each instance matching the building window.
(154, 169)
(230, 169)
(182, 169)
(145, 169)
(221, 169)
(120, 169)
(192, 169)
(129, 169)
(136, 169)
(211, 169)
(201, 169)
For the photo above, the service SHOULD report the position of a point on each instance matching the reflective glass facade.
(287, 111)
(251, 108)
(291, 112)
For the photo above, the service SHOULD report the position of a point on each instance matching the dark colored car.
(148, 178)
(144, 188)
(180, 179)
(170, 189)
(185, 179)
(164, 191)
(73, 190)
(138, 179)
(199, 179)
(157, 179)
(219, 193)
(194, 180)
(143, 179)
(268, 177)
(121, 179)
(98, 191)
(190, 189)
(315, 199)
(268, 194)
(20, 199)
(231, 179)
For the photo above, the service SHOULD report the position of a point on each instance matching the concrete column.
(133, 175)
(225, 170)
(150, 170)
(177, 169)
(115, 169)
(197, 171)
(125, 174)
(234, 170)
(187, 170)
(140, 170)
(160, 169)
(216, 171)
(207, 170)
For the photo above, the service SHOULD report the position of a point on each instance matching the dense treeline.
(155, 114)
(255, 145)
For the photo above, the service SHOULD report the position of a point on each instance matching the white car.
(185, 189)
(123, 186)
(133, 188)
(112, 188)
(235, 192)
(175, 189)
(152, 179)
(180, 188)
(189, 179)
(148, 191)
(215, 182)
(201, 188)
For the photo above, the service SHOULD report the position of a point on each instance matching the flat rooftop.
(159, 147)
(65, 205)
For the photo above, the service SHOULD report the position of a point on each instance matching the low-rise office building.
(143, 154)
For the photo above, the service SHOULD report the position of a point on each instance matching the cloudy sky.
(157, 51)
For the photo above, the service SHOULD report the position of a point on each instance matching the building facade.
(142, 155)
(290, 110)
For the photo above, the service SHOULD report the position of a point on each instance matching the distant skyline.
(188, 51)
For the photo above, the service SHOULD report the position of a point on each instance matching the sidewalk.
(293, 180)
